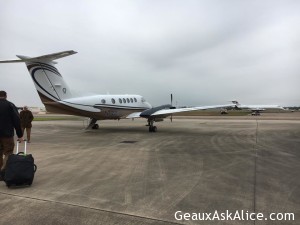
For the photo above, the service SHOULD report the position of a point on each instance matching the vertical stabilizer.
(51, 86)
(48, 81)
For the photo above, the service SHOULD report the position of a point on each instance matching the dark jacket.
(26, 118)
(9, 119)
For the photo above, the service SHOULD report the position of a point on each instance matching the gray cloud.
(204, 52)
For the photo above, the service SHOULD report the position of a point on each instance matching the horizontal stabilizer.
(49, 57)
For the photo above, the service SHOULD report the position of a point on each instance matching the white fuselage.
(104, 106)
(260, 107)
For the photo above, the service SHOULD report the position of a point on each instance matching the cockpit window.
(143, 100)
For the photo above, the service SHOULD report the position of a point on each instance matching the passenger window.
(120, 100)
(128, 100)
(131, 100)
(135, 100)
(103, 101)
(124, 100)
(113, 101)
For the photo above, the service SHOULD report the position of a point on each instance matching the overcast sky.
(204, 52)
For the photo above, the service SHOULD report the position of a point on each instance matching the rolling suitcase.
(20, 168)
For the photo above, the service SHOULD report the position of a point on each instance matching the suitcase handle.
(24, 147)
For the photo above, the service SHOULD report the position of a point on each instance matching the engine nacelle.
(147, 113)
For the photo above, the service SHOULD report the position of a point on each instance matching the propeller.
(171, 107)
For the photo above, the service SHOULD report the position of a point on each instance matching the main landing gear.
(151, 127)
(92, 125)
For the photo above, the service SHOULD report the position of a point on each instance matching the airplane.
(256, 109)
(34, 110)
(57, 97)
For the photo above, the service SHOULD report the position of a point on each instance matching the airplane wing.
(173, 111)
(166, 110)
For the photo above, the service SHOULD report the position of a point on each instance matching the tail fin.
(235, 102)
(47, 80)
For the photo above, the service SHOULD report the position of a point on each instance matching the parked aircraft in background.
(57, 97)
(34, 110)
(256, 109)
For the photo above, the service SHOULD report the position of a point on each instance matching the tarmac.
(122, 174)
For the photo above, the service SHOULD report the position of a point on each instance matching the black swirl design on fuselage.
(37, 67)
(43, 66)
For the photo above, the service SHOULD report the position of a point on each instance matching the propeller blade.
(171, 106)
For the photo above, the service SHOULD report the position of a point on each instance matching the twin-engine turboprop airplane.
(57, 97)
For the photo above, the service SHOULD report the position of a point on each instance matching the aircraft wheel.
(95, 127)
(152, 128)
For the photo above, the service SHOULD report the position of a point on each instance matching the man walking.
(26, 118)
(9, 121)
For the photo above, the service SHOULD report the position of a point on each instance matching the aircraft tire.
(95, 127)
(152, 128)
